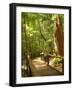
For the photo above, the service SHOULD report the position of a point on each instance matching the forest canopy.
(37, 32)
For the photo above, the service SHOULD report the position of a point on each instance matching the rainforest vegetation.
(38, 34)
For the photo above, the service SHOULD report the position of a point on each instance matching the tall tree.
(59, 37)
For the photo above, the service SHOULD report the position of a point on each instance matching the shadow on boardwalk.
(41, 68)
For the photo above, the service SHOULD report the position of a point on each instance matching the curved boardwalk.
(41, 68)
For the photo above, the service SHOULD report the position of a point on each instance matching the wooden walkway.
(41, 68)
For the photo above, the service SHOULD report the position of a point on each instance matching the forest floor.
(41, 68)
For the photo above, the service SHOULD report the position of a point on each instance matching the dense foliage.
(37, 33)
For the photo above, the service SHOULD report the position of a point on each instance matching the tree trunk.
(59, 37)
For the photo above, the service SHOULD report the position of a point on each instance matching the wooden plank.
(42, 69)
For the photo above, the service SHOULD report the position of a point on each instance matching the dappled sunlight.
(38, 63)
(42, 44)
(38, 60)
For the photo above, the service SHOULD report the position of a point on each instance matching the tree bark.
(59, 37)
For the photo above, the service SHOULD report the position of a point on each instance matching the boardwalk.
(40, 68)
